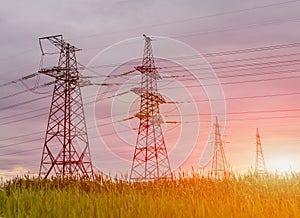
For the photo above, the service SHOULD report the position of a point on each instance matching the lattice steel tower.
(260, 165)
(150, 159)
(220, 166)
(66, 147)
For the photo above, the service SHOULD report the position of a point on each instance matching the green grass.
(195, 196)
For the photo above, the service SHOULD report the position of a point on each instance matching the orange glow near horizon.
(280, 165)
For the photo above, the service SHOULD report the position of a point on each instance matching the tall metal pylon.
(220, 166)
(260, 165)
(150, 159)
(66, 148)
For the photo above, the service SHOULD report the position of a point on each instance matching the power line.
(13, 144)
(237, 112)
(39, 139)
(20, 152)
(244, 97)
(266, 63)
(113, 96)
(215, 54)
(235, 82)
(24, 102)
(251, 50)
(221, 53)
(23, 113)
(255, 58)
(176, 21)
(244, 119)
(22, 119)
(241, 119)
(196, 18)
(235, 28)
(192, 77)
(21, 136)
(47, 96)
(239, 98)
(241, 112)
(19, 80)
(27, 90)
(269, 64)
(204, 100)
(20, 143)
(222, 67)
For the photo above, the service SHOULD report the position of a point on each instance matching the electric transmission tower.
(150, 159)
(66, 147)
(260, 165)
(220, 166)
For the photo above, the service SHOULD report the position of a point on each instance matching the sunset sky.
(247, 69)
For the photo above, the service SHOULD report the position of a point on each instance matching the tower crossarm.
(58, 73)
(57, 41)
(150, 94)
(151, 71)
(155, 119)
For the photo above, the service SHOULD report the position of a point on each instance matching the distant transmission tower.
(260, 165)
(220, 166)
(66, 148)
(150, 160)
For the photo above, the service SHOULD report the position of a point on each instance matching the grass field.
(194, 196)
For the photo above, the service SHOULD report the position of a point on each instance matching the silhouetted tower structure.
(220, 166)
(66, 148)
(260, 165)
(150, 159)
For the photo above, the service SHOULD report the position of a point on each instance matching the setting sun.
(280, 165)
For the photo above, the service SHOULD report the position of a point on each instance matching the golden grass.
(194, 196)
